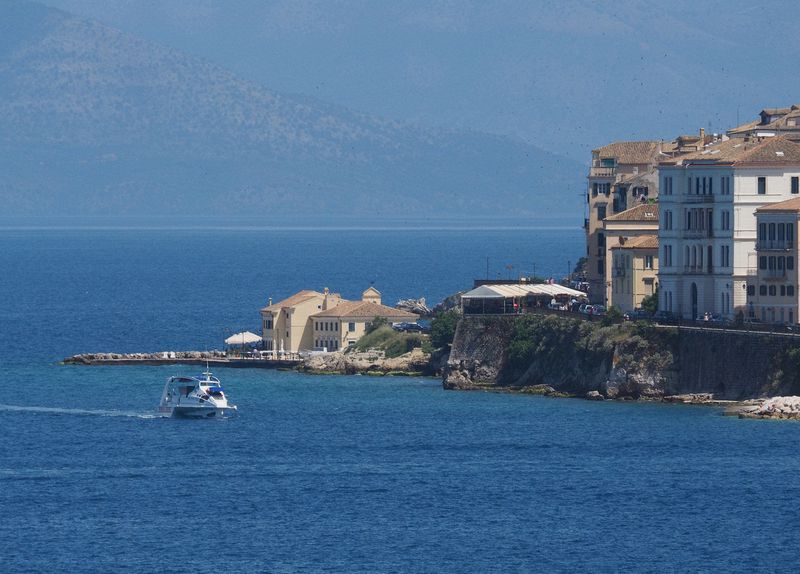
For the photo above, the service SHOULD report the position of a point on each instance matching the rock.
(594, 396)
(774, 408)
(415, 362)
(622, 384)
(451, 302)
(690, 398)
(417, 306)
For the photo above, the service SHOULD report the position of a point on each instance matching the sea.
(341, 473)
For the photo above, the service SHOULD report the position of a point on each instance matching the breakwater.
(180, 357)
(621, 361)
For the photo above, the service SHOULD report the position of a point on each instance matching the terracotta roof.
(641, 242)
(630, 152)
(643, 212)
(788, 205)
(295, 299)
(366, 309)
(775, 111)
(778, 123)
(739, 151)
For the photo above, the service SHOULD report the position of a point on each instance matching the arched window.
(772, 232)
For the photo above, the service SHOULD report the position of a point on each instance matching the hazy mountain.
(575, 73)
(96, 121)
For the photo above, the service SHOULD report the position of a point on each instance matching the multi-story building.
(772, 122)
(707, 232)
(622, 175)
(772, 288)
(310, 320)
(631, 264)
(634, 272)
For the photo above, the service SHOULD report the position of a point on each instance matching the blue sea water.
(341, 474)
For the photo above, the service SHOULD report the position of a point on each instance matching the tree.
(443, 328)
(650, 303)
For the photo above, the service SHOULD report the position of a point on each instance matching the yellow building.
(310, 320)
(631, 256)
(634, 272)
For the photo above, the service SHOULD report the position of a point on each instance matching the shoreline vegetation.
(548, 356)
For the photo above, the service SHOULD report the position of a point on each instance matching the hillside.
(94, 121)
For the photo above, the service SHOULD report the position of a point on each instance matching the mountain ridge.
(94, 120)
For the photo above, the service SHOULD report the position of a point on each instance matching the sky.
(567, 75)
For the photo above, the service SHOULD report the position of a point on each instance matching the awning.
(245, 338)
(504, 291)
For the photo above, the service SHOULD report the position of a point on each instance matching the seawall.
(622, 360)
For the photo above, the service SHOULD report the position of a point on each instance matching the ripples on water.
(350, 474)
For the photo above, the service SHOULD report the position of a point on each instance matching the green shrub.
(443, 328)
(376, 324)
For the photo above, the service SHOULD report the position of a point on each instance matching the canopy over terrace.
(502, 299)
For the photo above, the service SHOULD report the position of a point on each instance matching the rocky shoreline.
(419, 363)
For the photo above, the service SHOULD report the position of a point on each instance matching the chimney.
(702, 136)
(269, 304)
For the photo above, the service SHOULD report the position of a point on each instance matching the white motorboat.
(197, 397)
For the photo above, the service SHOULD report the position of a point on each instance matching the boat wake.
(78, 412)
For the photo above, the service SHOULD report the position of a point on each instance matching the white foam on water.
(79, 412)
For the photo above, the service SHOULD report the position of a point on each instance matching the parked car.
(599, 310)
(408, 328)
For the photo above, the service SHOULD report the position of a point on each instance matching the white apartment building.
(707, 231)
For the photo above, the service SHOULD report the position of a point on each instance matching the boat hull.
(198, 412)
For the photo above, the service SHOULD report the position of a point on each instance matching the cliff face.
(626, 360)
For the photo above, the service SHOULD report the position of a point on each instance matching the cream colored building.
(708, 233)
(622, 176)
(772, 288)
(310, 320)
(634, 271)
(631, 272)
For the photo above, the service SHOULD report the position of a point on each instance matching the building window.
(762, 262)
(795, 185)
(789, 263)
(762, 231)
(783, 290)
(762, 186)
(600, 266)
(762, 290)
(751, 290)
(726, 220)
(601, 212)
(648, 261)
(351, 327)
(772, 290)
(668, 220)
(668, 186)
(790, 290)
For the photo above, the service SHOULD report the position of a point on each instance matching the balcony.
(773, 274)
(697, 233)
(618, 272)
(691, 198)
(602, 172)
(774, 244)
